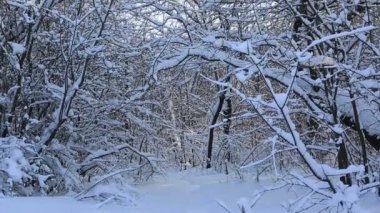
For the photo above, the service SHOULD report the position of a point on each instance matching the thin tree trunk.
(222, 99)
(343, 163)
(211, 132)
(226, 130)
(227, 123)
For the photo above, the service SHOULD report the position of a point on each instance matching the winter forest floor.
(181, 192)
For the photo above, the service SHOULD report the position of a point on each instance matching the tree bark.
(222, 96)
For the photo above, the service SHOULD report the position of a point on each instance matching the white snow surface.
(184, 192)
(17, 48)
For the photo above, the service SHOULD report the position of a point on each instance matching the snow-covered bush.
(22, 172)
(25, 173)
(14, 168)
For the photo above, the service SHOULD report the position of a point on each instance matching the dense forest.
(112, 92)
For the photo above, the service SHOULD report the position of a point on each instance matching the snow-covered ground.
(184, 192)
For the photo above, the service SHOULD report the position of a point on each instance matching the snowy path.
(197, 194)
(175, 193)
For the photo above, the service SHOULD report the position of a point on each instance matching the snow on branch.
(337, 35)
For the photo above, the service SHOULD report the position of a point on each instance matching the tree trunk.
(343, 163)
(211, 132)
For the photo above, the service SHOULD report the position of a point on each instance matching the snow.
(368, 111)
(337, 128)
(185, 192)
(218, 43)
(47, 205)
(244, 75)
(318, 60)
(13, 164)
(109, 64)
(198, 193)
(338, 35)
(281, 99)
(17, 48)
